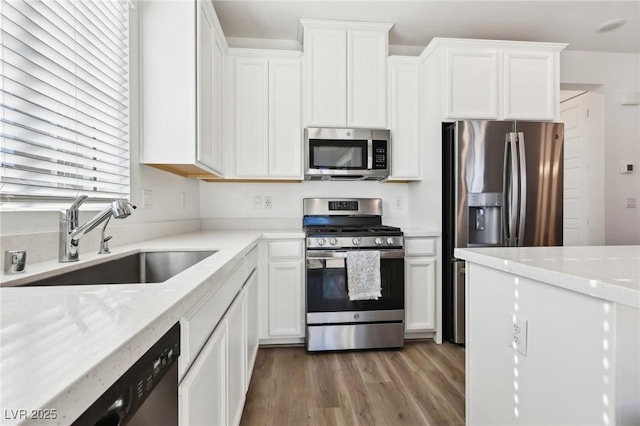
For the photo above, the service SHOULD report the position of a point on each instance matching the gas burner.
(330, 228)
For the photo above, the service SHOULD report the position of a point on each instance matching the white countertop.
(607, 272)
(62, 347)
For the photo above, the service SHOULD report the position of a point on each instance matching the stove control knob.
(333, 241)
(378, 241)
(321, 242)
(390, 240)
(356, 241)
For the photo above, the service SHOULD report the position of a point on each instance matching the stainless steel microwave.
(346, 154)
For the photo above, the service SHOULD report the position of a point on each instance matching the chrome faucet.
(70, 233)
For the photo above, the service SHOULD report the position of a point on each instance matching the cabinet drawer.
(285, 249)
(420, 246)
(198, 324)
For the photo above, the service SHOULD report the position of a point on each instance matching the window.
(65, 101)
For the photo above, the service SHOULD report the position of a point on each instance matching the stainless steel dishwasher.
(146, 394)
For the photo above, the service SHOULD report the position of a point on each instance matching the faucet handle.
(78, 201)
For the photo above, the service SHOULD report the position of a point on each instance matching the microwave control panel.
(380, 157)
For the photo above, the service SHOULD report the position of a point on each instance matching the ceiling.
(417, 22)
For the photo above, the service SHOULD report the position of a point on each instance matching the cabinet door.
(251, 117)
(285, 126)
(202, 393)
(471, 82)
(405, 120)
(420, 293)
(285, 299)
(531, 85)
(367, 79)
(236, 338)
(209, 94)
(251, 288)
(326, 77)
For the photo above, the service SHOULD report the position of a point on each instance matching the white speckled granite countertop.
(607, 272)
(62, 347)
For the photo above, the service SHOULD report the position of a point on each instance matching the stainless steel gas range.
(341, 234)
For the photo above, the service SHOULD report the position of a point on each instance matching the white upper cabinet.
(181, 87)
(346, 73)
(471, 80)
(366, 79)
(264, 115)
(326, 77)
(498, 80)
(531, 85)
(251, 117)
(285, 118)
(405, 110)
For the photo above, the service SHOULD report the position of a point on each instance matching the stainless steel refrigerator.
(502, 186)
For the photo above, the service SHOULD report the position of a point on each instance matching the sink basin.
(143, 267)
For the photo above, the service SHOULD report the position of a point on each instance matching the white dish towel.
(363, 275)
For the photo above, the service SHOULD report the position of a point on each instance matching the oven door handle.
(329, 254)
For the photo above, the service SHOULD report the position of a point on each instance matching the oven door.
(328, 296)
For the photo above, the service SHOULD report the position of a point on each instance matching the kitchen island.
(553, 335)
(61, 347)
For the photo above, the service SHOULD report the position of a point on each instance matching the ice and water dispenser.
(485, 218)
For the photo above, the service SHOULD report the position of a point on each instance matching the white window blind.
(65, 100)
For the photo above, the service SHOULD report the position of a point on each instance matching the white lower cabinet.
(285, 299)
(236, 367)
(421, 286)
(281, 291)
(420, 279)
(214, 388)
(202, 393)
(251, 302)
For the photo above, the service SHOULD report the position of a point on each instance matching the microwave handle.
(369, 154)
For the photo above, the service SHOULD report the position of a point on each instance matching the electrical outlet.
(257, 202)
(183, 198)
(147, 198)
(266, 201)
(631, 203)
(398, 203)
(518, 333)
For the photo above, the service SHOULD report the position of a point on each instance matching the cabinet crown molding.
(505, 45)
(326, 24)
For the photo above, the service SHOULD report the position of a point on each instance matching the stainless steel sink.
(143, 267)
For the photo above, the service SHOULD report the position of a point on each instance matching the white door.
(285, 131)
(404, 93)
(251, 312)
(209, 58)
(202, 394)
(420, 294)
(367, 79)
(237, 345)
(326, 83)
(285, 299)
(530, 85)
(471, 82)
(252, 117)
(583, 170)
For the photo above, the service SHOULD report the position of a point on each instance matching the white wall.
(613, 73)
(37, 231)
(232, 203)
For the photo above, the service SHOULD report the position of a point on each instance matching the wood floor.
(421, 384)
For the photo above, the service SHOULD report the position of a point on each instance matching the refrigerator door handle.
(522, 209)
(511, 189)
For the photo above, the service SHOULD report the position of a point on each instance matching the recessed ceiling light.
(610, 25)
